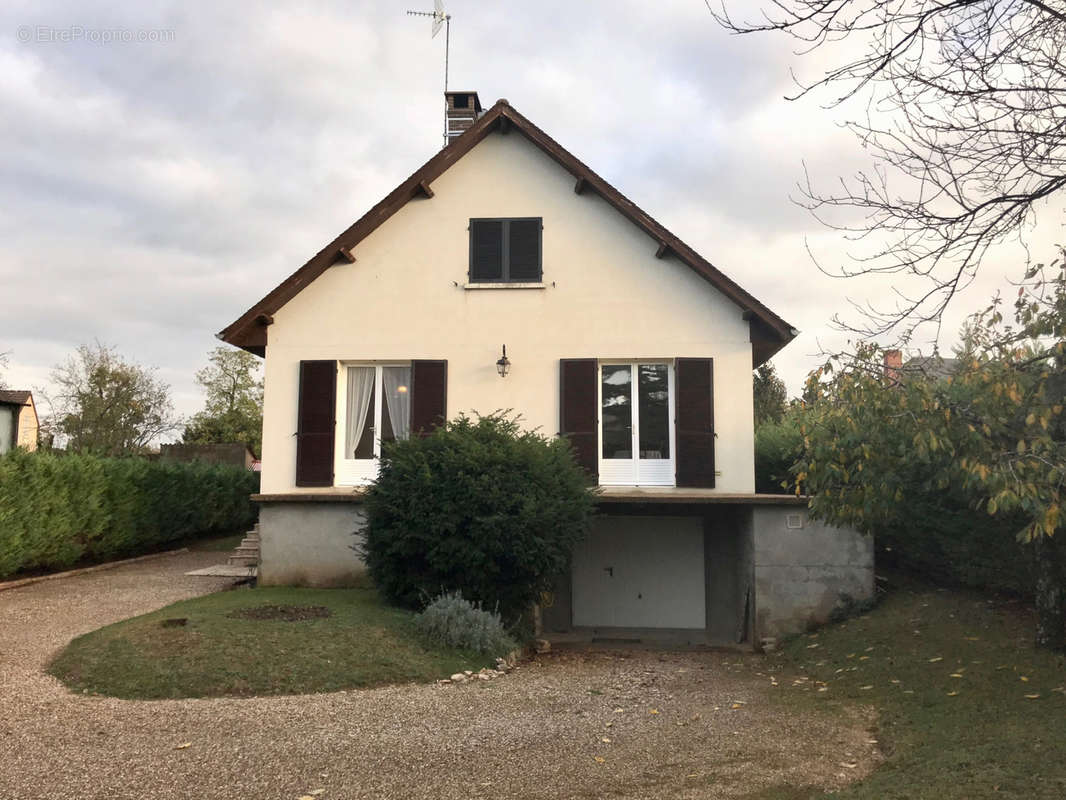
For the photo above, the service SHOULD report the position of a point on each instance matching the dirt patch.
(281, 613)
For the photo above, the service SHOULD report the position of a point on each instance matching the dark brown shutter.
(523, 241)
(316, 420)
(486, 250)
(577, 410)
(695, 422)
(429, 396)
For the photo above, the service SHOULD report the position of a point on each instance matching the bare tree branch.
(965, 119)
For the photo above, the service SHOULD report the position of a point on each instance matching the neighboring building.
(235, 454)
(618, 335)
(935, 366)
(19, 425)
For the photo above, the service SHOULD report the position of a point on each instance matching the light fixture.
(502, 364)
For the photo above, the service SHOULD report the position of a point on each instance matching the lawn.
(968, 707)
(263, 641)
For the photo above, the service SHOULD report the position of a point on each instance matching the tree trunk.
(1051, 591)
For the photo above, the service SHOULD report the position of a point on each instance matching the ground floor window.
(636, 430)
(373, 406)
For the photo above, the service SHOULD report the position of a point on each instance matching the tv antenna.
(439, 19)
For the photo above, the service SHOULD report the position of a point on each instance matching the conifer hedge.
(58, 510)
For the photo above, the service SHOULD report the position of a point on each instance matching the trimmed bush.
(778, 445)
(58, 510)
(451, 621)
(478, 507)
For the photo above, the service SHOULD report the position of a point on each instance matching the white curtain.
(398, 395)
(360, 390)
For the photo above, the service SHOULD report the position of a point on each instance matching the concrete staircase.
(247, 552)
(242, 563)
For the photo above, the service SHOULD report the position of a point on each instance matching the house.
(934, 366)
(506, 274)
(19, 425)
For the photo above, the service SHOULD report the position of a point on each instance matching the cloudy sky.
(151, 191)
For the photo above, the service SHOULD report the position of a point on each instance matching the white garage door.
(640, 572)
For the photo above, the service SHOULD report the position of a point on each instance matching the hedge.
(58, 510)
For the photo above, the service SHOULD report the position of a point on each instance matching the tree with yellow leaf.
(880, 449)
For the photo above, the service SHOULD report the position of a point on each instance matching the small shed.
(19, 425)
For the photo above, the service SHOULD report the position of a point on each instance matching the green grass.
(362, 643)
(949, 673)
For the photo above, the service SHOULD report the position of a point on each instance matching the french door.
(373, 406)
(636, 430)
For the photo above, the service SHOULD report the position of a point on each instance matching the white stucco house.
(618, 336)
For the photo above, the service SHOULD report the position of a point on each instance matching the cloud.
(152, 191)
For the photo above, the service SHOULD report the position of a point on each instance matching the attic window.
(461, 101)
(505, 250)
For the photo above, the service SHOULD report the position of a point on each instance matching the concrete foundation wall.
(804, 569)
(310, 544)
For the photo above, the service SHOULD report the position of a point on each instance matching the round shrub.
(451, 621)
(479, 507)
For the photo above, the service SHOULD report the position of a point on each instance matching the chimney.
(463, 109)
(893, 364)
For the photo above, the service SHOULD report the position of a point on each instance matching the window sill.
(505, 285)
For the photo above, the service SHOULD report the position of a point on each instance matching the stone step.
(243, 561)
(225, 571)
(246, 542)
(245, 551)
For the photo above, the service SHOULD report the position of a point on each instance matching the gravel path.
(551, 729)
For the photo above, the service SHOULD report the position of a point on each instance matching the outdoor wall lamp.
(503, 364)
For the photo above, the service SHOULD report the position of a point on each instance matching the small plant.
(452, 621)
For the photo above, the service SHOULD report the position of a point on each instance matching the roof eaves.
(246, 333)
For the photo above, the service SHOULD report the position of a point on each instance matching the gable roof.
(14, 397)
(769, 332)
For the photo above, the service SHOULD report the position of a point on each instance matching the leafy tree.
(478, 507)
(960, 106)
(233, 410)
(108, 406)
(769, 394)
(992, 434)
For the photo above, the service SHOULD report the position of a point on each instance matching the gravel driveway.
(594, 724)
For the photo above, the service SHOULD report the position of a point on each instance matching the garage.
(641, 572)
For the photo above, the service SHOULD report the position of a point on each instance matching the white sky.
(150, 192)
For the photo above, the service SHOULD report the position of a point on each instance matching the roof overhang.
(769, 331)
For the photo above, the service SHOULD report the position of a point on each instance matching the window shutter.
(524, 250)
(486, 250)
(429, 396)
(577, 410)
(695, 422)
(316, 420)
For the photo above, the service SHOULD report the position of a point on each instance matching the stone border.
(70, 573)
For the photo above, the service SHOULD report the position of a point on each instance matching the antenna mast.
(440, 18)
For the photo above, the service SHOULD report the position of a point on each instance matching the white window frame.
(637, 471)
(359, 471)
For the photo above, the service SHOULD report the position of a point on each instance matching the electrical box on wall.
(794, 521)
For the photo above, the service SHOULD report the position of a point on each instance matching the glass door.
(636, 424)
(374, 406)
